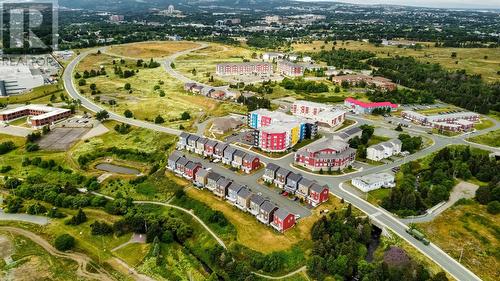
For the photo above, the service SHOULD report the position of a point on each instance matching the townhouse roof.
(192, 165)
(318, 188)
(306, 182)
(193, 137)
(202, 140)
(377, 147)
(236, 187)
(282, 171)
(249, 157)
(257, 199)
(268, 206)
(272, 167)
(244, 193)
(282, 213)
(175, 156)
(294, 177)
(213, 176)
(183, 161)
(239, 153)
(212, 143)
(184, 135)
(224, 182)
(202, 173)
(229, 150)
(221, 146)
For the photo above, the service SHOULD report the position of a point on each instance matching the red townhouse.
(210, 147)
(191, 169)
(250, 163)
(283, 220)
(317, 194)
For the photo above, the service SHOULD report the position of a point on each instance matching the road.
(40, 220)
(81, 259)
(377, 214)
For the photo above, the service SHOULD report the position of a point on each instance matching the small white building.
(384, 150)
(374, 181)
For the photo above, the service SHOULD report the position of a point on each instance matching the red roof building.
(283, 220)
(364, 107)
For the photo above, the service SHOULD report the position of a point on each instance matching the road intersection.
(377, 214)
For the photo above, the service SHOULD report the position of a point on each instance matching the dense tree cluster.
(360, 143)
(458, 88)
(421, 188)
(409, 143)
(6, 147)
(401, 96)
(254, 102)
(122, 128)
(344, 59)
(152, 63)
(265, 42)
(490, 195)
(303, 86)
(124, 153)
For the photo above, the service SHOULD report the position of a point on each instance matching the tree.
(493, 207)
(127, 86)
(64, 242)
(93, 86)
(185, 116)
(399, 128)
(102, 115)
(128, 113)
(82, 82)
(483, 195)
(159, 120)
(77, 219)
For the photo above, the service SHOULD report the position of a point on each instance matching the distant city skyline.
(460, 4)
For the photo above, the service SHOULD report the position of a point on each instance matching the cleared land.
(144, 100)
(147, 50)
(467, 230)
(482, 61)
(490, 138)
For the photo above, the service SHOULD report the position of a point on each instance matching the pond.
(117, 169)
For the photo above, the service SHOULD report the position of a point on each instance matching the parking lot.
(61, 139)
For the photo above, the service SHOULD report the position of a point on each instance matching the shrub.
(6, 147)
(493, 207)
(77, 219)
(36, 209)
(101, 228)
(64, 242)
(128, 113)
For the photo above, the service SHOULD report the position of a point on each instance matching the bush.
(77, 219)
(101, 228)
(36, 209)
(493, 207)
(64, 242)
(5, 169)
(128, 113)
(30, 147)
(6, 147)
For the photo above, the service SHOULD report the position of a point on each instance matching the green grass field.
(490, 138)
(482, 61)
(37, 95)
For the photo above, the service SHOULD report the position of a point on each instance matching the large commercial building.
(244, 68)
(367, 107)
(38, 115)
(288, 68)
(277, 131)
(460, 121)
(325, 115)
(18, 79)
(326, 155)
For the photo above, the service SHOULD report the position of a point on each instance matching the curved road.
(79, 258)
(377, 214)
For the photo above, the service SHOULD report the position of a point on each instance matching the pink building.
(244, 68)
(290, 69)
(326, 155)
(367, 107)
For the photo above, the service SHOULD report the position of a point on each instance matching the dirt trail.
(81, 259)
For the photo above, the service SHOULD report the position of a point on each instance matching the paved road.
(379, 215)
(40, 220)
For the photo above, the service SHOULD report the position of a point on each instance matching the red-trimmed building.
(317, 194)
(244, 68)
(326, 155)
(250, 163)
(39, 115)
(367, 107)
(290, 69)
(283, 220)
(190, 169)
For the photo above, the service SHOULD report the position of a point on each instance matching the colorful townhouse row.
(277, 132)
(210, 92)
(217, 150)
(455, 122)
(360, 107)
(308, 190)
(236, 194)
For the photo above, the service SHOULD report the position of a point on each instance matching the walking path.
(302, 269)
(82, 259)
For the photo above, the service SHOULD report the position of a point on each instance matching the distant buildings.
(223, 125)
(210, 92)
(357, 79)
(272, 56)
(460, 121)
(244, 68)
(360, 107)
(277, 131)
(326, 155)
(38, 115)
(383, 150)
(116, 18)
(19, 78)
(374, 181)
(291, 69)
(325, 115)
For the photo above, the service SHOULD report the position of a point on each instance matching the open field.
(490, 138)
(143, 99)
(482, 61)
(147, 50)
(32, 262)
(484, 124)
(37, 95)
(468, 228)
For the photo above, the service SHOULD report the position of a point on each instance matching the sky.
(466, 4)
